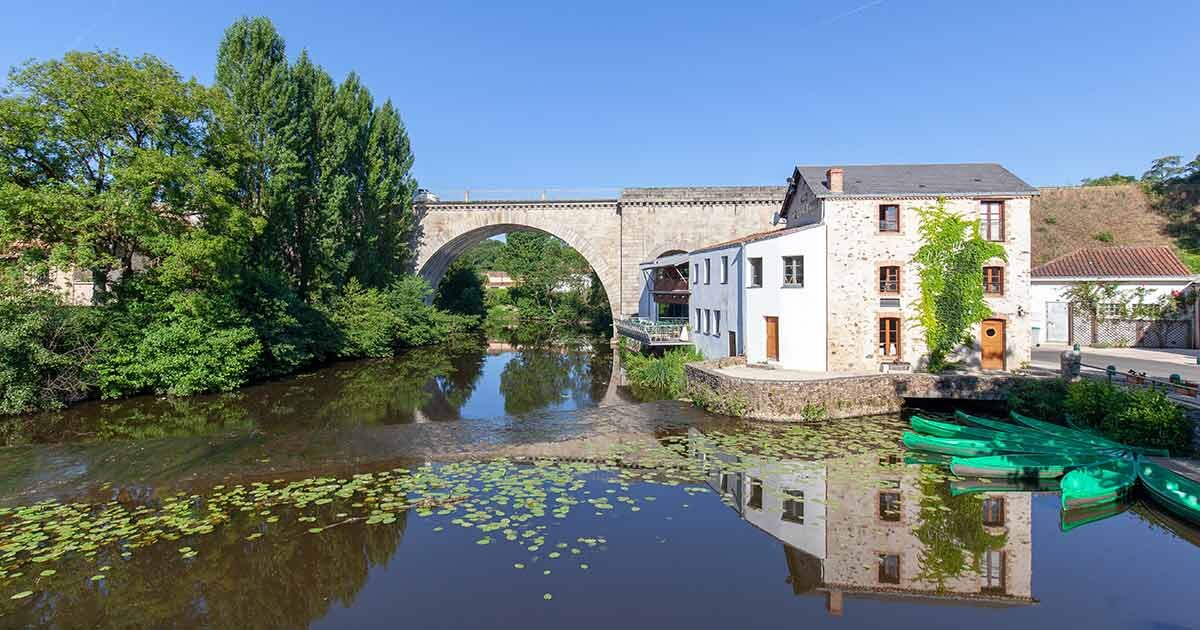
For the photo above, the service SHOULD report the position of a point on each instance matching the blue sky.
(601, 95)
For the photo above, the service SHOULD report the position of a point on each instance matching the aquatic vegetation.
(505, 501)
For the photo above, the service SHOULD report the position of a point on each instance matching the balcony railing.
(665, 331)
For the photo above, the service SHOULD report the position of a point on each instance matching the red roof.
(1115, 262)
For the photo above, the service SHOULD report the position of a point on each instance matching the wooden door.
(773, 338)
(991, 344)
(733, 344)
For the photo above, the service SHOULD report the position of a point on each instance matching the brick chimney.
(834, 178)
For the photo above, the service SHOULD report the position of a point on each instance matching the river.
(497, 486)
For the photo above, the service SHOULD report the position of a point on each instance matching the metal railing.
(1132, 378)
(665, 330)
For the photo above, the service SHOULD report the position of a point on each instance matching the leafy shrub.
(1090, 402)
(1138, 417)
(1149, 418)
(43, 345)
(187, 343)
(1039, 398)
(376, 322)
(659, 376)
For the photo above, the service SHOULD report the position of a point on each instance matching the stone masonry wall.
(658, 220)
(841, 397)
(857, 250)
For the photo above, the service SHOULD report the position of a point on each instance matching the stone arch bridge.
(613, 235)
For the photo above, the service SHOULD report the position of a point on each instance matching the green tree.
(102, 160)
(1115, 179)
(951, 259)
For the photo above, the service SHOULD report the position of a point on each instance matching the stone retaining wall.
(839, 397)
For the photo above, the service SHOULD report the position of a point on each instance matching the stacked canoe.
(1091, 470)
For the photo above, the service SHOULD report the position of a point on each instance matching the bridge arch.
(448, 229)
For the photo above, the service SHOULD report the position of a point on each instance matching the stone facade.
(856, 251)
(861, 537)
(613, 235)
(790, 400)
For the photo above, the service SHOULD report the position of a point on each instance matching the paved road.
(1160, 363)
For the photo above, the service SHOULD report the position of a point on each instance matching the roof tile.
(1115, 262)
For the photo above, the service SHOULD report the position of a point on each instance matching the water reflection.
(236, 580)
(869, 526)
(464, 380)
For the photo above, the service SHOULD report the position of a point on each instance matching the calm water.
(437, 490)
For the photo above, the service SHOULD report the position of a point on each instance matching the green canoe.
(947, 430)
(947, 446)
(1176, 493)
(1023, 466)
(1090, 486)
(977, 485)
(1004, 441)
(1068, 433)
(1070, 519)
(994, 425)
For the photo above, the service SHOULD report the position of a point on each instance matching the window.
(707, 321)
(793, 271)
(756, 493)
(696, 276)
(756, 272)
(993, 511)
(727, 481)
(707, 271)
(889, 279)
(698, 321)
(889, 568)
(889, 506)
(889, 337)
(793, 506)
(993, 220)
(717, 323)
(993, 280)
(889, 218)
(724, 270)
(992, 572)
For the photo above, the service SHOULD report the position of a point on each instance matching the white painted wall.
(801, 311)
(714, 295)
(1051, 290)
(777, 479)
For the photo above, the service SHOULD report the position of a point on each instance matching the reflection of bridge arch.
(592, 228)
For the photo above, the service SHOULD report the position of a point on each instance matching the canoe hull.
(1174, 492)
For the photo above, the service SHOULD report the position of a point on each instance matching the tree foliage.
(233, 232)
(951, 259)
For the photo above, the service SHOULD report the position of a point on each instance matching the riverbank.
(730, 387)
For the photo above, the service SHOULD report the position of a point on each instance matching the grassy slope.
(1066, 219)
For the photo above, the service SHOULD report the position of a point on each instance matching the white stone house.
(835, 289)
(1140, 275)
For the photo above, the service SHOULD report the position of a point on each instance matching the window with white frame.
(707, 320)
(717, 323)
(793, 271)
(756, 275)
(696, 276)
(707, 271)
(724, 270)
(698, 329)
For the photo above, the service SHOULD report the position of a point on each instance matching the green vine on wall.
(951, 259)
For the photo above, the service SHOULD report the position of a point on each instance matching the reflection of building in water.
(852, 527)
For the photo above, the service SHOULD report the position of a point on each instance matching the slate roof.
(875, 180)
(1115, 262)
